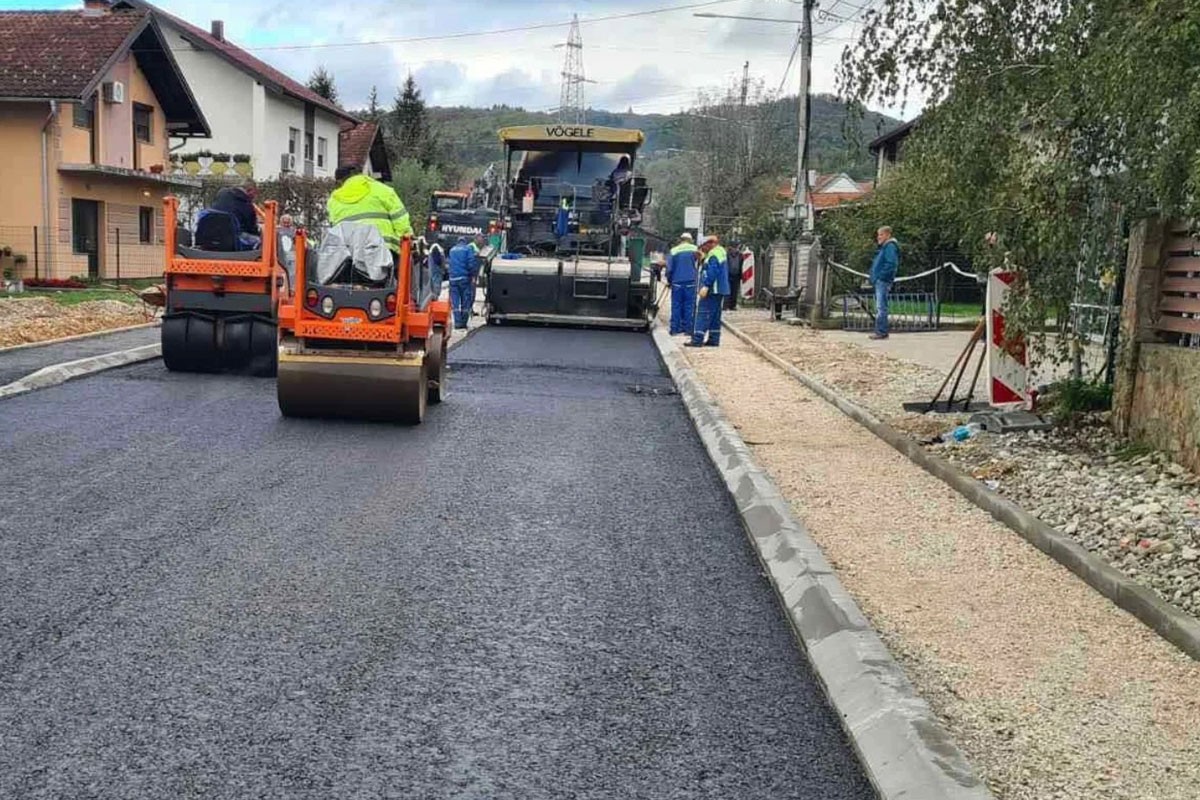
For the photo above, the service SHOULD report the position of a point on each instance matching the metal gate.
(907, 311)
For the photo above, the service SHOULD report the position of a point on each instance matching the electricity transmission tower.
(571, 107)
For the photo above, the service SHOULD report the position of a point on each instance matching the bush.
(221, 157)
(55, 283)
(20, 259)
(241, 158)
(1070, 399)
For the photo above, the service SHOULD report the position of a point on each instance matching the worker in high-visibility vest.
(360, 198)
(714, 287)
(681, 275)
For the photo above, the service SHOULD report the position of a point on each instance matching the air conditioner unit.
(114, 92)
(287, 163)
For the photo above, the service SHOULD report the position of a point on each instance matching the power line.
(468, 34)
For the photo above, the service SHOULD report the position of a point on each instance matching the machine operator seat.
(217, 237)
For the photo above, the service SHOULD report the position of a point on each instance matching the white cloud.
(652, 63)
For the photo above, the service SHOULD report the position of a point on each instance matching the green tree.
(415, 182)
(1048, 122)
(321, 82)
(410, 136)
(373, 113)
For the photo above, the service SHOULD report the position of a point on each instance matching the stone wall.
(1165, 408)
(1156, 396)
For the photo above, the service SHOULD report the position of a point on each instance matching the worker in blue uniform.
(463, 271)
(681, 275)
(714, 288)
(436, 260)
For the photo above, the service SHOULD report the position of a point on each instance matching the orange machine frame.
(225, 277)
(351, 324)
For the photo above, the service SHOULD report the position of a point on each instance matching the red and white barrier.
(747, 274)
(1008, 362)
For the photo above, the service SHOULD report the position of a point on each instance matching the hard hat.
(712, 238)
(685, 236)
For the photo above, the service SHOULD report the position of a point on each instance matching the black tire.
(435, 357)
(200, 344)
(174, 344)
(264, 348)
(235, 344)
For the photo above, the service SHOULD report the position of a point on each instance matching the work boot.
(878, 336)
(693, 344)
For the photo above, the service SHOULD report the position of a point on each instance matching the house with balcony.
(259, 115)
(89, 99)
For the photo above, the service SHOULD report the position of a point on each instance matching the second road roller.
(362, 336)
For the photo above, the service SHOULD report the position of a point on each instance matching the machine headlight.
(327, 305)
(376, 308)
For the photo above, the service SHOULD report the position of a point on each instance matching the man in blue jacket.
(883, 275)
(714, 288)
(681, 274)
(463, 271)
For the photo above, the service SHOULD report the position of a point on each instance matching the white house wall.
(245, 117)
(327, 126)
(224, 94)
(283, 113)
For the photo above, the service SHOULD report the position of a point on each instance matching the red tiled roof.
(825, 200)
(58, 54)
(241, 58)
(354, 143)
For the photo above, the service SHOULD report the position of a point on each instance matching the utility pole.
(804, 103)
(749, 133)
(800, 205)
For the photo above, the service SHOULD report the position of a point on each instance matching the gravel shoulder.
(1051, 690)
(1136, 510)
(38, 319)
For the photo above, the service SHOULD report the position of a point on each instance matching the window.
(308, 146)
(85, 113)
(293, 140)
(143, 117)
(146, 225)
(322, 151)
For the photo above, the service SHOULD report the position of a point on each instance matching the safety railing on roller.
(907, 310)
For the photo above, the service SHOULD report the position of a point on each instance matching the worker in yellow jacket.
(361, 198)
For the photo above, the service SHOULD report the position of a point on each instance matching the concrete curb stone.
(69, 370)
(1176, 626)
(905, 751)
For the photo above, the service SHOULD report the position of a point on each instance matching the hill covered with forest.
(467, 136)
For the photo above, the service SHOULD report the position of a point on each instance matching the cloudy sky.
(653, 62)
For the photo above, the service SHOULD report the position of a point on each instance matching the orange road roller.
(220, 301)
(361, 337)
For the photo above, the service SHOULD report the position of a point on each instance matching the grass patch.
(962, 310)
(77, 296)
(1132, 451)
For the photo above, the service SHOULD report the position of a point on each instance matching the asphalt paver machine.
(571, 208)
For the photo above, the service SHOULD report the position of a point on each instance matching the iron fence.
(126, 248)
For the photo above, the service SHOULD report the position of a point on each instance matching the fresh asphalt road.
(16, 364)
(542, 592)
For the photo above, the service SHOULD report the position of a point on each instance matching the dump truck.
(572, 252)
(220, 302)
(452, 216)
(361, 338)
